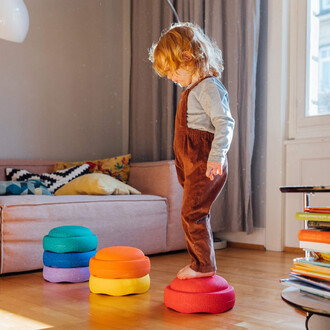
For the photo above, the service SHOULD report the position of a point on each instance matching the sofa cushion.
(118, 167)
(96, 184)
(53, 181)
(31, 187)
(34, 200)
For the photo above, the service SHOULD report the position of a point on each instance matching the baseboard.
(257, 237)
(294, 250)
(290, 249)
(219, 244)
(246, 246)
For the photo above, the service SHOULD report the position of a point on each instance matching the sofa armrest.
(159, 178)
(152, 178)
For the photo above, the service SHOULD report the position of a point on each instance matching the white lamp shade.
(14, 20)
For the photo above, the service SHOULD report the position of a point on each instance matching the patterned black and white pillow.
(53, 181)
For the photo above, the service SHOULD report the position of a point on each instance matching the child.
(203, 133)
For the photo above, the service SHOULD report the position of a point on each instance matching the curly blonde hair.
(186, 45)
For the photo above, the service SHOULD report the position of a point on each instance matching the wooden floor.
(29, 302)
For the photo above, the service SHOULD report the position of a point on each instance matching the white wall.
(62, 90)
(277, 97)
(308, 163)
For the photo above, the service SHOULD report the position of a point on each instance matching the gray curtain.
(234, 25)
(152, 100)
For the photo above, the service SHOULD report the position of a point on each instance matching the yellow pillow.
(117, 167)
(96, 184)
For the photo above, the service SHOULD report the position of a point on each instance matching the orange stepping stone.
(118, 262)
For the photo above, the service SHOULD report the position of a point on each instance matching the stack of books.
(312, 273)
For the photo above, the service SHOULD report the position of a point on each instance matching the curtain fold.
(152, 100)
(234, 25)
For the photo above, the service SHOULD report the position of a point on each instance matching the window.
(319, 59)
(325, 4)
(309, 69)
(324, 81)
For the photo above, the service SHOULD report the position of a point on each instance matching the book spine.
(315, 246)
(313, 216)
(312, 261)
(313, 268)
(314, 235)
(318, 224)
(317, 209)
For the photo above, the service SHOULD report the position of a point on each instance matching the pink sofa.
(150, 222)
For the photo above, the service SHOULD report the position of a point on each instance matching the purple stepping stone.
(72, 275)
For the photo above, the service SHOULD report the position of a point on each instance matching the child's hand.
(213, 168)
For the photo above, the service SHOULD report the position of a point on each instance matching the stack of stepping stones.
(119, 271)
(67, 251)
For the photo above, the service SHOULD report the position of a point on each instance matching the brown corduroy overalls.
(191, 149)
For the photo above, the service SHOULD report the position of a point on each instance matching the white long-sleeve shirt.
(208, 110)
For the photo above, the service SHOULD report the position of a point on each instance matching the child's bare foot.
(182, 270)
(187, 273)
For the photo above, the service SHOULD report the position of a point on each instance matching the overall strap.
(182, 107)
(197, 82)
